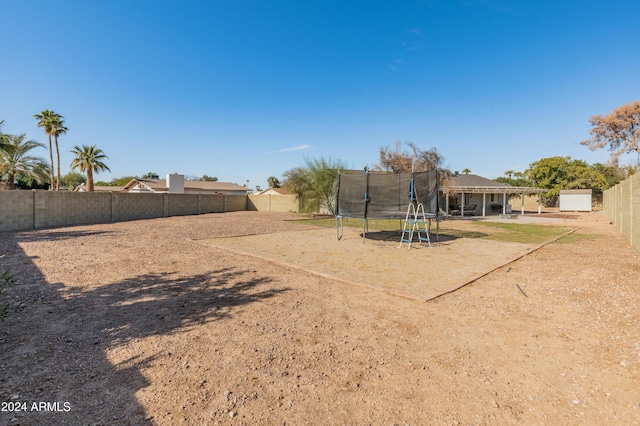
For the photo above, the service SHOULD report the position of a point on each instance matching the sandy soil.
(170, 321)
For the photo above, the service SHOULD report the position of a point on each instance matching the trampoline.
(383, 195)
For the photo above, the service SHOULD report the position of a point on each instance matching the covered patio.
(470, 195)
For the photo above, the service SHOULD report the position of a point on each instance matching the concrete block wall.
(75, 208)
(211, 203)
(235, 203)
(622, 204)
(16, 210)
(129, 206)
(182, 204)
(25, 210)
(274, 203)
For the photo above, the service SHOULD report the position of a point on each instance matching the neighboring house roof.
(214, 186)
(475, 183)
(160, 185)
(153, 185)
(275, 191)
(83, 188)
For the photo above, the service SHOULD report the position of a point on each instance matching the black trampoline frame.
(366, 196)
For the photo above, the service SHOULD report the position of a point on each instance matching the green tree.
(16, 159)
(45, 120)
(557, 173)
(89, 159)
(316, 184)
(121, 181)
(72, 180)
(273, 182)
(150, 175)
(295, 181)
(38, 179)
(619, 131)
(466, 171)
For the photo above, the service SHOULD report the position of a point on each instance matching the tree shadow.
(153, 304)
(56, 340)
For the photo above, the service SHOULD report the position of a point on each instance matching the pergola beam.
(493, 190)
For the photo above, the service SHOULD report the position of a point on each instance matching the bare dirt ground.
(157, 322)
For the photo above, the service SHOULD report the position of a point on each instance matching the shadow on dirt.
(449, 235)
(54, 341)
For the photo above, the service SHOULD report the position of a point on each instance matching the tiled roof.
(214, 186)
(280, 191)
(160, 185)
(96, 188)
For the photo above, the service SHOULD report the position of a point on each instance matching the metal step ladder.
(415, 223)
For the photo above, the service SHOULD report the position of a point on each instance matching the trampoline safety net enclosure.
(380, 195)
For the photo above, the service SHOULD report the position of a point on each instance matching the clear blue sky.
(244, 90)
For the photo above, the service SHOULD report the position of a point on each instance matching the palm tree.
(4, 142)
(466, 171)
(58, 128)
(15, 160)
(45, 119)
(88, 159)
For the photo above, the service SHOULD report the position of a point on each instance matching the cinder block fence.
(622, 204)
(26, 210)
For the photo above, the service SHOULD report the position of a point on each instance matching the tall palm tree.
(88, 159)
(3, 138)
(58, 128)
(15, 159)
(45, 119)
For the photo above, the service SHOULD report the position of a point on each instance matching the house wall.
(515, 200)
(26, 210)
(472, 198)
(274, 202)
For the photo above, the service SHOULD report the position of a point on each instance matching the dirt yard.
(196, 321)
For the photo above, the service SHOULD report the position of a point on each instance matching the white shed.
(575, 200)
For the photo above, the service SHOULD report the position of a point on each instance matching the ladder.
(415, 223)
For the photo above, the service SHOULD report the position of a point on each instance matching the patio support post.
(462, 206)
(504, 203)
(539, 203)
(522, 196)
(484, 203)
(446, 203)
